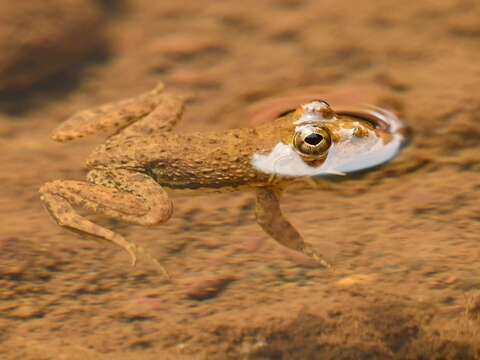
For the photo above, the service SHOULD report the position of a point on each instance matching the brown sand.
(405, 237)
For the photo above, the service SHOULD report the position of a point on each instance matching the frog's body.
(129, 171)
(188, 161)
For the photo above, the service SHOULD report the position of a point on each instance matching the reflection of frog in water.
(129, 172)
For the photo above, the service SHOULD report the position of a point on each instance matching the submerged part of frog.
(128, 174)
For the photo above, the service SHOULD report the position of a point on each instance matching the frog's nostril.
(313, 139)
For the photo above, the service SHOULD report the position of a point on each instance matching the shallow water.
(403, 237)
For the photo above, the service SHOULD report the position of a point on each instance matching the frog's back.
(207, 160)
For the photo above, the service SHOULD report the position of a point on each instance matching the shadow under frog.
(128, 174)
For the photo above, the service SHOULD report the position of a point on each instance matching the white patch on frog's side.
(347, 155)
(357, 154)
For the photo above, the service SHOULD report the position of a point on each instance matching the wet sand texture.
(405, 237)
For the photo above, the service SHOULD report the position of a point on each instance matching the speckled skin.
(189, 161)
(129, 171)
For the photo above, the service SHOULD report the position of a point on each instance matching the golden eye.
(312, 142)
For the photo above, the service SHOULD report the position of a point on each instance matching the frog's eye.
(312, 141)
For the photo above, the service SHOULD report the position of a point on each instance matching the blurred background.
(405, 237)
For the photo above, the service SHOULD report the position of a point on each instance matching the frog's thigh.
(269, 216)
(148, 203)
(165, 116)
(123, 195)
(111, 116)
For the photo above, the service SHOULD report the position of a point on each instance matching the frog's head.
(319, 141)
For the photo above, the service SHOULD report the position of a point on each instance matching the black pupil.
(313, 139)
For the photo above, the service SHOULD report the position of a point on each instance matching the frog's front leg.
(120, 194)
(269, 216)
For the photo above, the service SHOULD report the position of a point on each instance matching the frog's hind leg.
(269, 216)
(119, 194)
(113, 116)
(163, 119)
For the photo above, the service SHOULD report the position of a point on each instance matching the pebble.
(209, 287)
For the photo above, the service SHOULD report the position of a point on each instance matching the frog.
(131, 174)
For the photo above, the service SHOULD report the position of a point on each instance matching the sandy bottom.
(405, 237)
